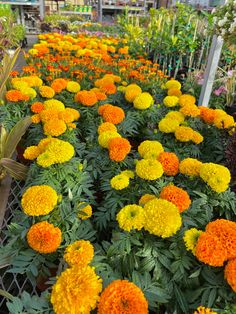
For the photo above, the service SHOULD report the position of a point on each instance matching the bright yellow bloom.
(131, 217)
(143, 101)
(119, 182)
(175, 115)
(186, 99)
(146, 198)
(106, 126)
(29, 92)
(131, 92)
(167, 125)
(173, 84)
(54, 104)
(162, 218)
(39, 200)
(105, 137)
(76, 291)
(79, 253)
(31, 152)
(85, 212)
(190, 238)
(73, 87)
(190, 167)
(150, 146)
(184, 134)
(190, 110)
(204, 310)
(149, 169)
(171, 101)
(46, 91)
(128, 173)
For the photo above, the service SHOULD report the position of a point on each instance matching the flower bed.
(126, 206)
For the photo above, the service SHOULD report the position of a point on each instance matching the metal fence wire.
(15, 284)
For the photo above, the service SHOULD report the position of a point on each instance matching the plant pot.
(231, 110)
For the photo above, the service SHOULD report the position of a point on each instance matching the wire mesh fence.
(15, 284)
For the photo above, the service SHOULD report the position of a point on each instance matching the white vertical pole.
(209, 75)
(41, 9)
(100, 10)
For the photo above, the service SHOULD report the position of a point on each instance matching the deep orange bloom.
(230, 273)
(210, 251)
(100, 95)
(169, 162)
(15, 96)
(14, 73)
(86, 98)
(108, 88)
(43, 237)
(207, 115)
(37, 107)
(225, 231)
(59, 84)
(177, 196)
(122, 296)
(119, 148)
(112, 114)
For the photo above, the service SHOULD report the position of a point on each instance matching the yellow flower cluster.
(171, 101)
(168, 125)
(190, 167)
(39, 200)
(173, 84)
(131, 217)
(121, 181)
(79, 253)
(51, 151)
(105, 137)
(46, 92)
(216, 176)
(187, 134)
(143, 101)
(190, 238)
(73, 87)
(132, 91)
(149, 169)
(85, 211)
(147, 148)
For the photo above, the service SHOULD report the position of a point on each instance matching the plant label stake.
(209, 75)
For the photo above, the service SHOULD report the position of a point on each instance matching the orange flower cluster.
(15, 96)
(59, 85)
(118, 148)
(122, 296)
(86, 98)
(218, 243)
(230, 273)
(37, 107)
(43, 237)
(177, 196)
(169, 162)
(112, 114)
(219, 118)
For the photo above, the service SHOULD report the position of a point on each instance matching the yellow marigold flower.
(39, 200)
(105, 137)
(73, 87)
(146, 198)
(149, 169)
(35, 118)
(174, 92)
(19, 85)
(46, 91)
(184, 133)
(219, 113)
(29, 92)
(44, 237)
(175, 115)
(79, 253)
(162, 218)
(190, 110)
(171, 101)
(31, 152)
(33, 80)
(224, 122)
(85, 212)
(42, 145)
(119, 182)
(216, 176)
(121, 89)
(151, 155)
(131, 217)
(54, 127)
(54, 104)
(128, 173)
(132, 91)
(173, 84)
(56, 152)
(186, 99)
(190, 238)
(204, 310)
(150, 146)
(66, 115)
(197, 137)
(122, 297)
(190, 167)
(106, 126)
(77, 289)
(48, 115)
(168, 125)
(143, 101)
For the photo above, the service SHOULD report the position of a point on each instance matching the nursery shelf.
(20, 3)
(74, 12)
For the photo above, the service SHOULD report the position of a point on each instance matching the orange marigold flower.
(146, 198)
(106, 126)
(177, 196)
(230, 273)
(204, 310)
(207, 115)
(31, 152)
(113, 114)
(79, 253)
(37, 107)
(108, 88)
(174, 92)
(190, 110)
(225, 230)
(170, 163)
(46, 91)
(69, 115)
(35, 118)
(15, 96)
(86, 98)
(48, 114)
(186, 99)
(210, 251)
(102, 108)
(54, 127)
(100, 95)
(122, 296)
(59, 84)
(44, 237)
(119, 148)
